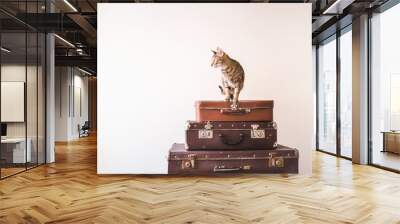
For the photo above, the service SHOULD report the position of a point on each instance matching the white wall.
(154, 62)
(69, 82)
(61, 103)
(81, 96)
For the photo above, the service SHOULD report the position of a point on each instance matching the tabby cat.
(232, 76)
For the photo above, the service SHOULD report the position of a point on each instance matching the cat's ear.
(220, 52)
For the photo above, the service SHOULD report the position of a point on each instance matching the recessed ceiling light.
(338, 6)
(84, 71)
(5, 50)
(70, 5)
(64, 40)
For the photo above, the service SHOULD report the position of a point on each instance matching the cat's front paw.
(234, 106)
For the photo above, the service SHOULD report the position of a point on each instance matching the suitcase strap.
(233, 111)
(270, 162)
(230, 158)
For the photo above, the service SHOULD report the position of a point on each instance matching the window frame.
(334, 37)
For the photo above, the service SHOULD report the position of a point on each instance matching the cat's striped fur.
(232, 76)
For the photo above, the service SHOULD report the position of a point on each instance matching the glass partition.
(385, 89)
(14, 153)
(32, 96)
(334, 98)
(22, 101)
(327, 96)
(346, 93)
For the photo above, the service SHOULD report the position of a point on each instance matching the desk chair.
(84, 130)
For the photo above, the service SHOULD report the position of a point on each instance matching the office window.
(385, 89)
(346, 93)
(327, 96)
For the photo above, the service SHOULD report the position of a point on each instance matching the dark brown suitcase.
(248, 110)
(281, 160)
(230, 135)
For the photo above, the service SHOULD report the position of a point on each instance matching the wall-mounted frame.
(12, 97)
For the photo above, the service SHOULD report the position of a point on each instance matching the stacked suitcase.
(241, 140)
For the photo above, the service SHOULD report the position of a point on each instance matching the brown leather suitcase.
(248, 110)
(230, 135)
(280, 160)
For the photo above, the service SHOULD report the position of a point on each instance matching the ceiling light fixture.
(64, 40)
(337, 7)
(5, 50)
(326, 11)
(84, 71)
(70, 5)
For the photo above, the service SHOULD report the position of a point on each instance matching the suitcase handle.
(226, 142)
(223, 169)
(239, 111)
(216, 169)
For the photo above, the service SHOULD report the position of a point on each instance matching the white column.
(360, 90)
(50, 100)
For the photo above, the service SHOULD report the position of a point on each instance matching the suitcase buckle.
(188, 125)
(276, 162)
(279, 162)
(257, 133)
(274, 125)
(255, 126)
(189, 163)
(208, 126)
(206, 133)
(246, 167)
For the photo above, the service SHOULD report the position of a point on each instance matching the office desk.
(391, 141)
(13, 150)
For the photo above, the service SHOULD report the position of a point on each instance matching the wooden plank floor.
(69, 191)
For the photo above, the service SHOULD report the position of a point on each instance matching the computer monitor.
(3, 130)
